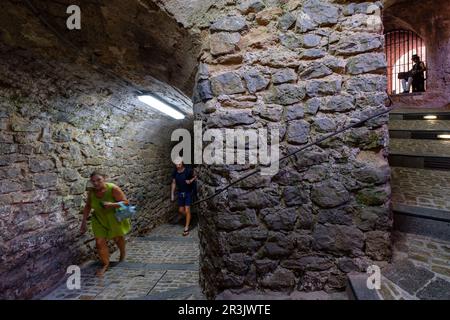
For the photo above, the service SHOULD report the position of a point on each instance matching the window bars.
(400, 46)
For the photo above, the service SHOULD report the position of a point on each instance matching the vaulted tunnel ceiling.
(419, 16)
(134, 38)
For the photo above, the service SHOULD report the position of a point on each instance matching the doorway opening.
(401, 46)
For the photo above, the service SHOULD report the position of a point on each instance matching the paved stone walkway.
(418, 147)
(421, 187)
(420, 269)
(160, 266)
(164, 265)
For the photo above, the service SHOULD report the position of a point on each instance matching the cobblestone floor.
(421, 187)
(162, 265)
(417, 147)
(420, 125)
(420, 269)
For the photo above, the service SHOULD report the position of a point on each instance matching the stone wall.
(306, 68)
(59, 121)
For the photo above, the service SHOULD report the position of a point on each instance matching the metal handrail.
(258, 169)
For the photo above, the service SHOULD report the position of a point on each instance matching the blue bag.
(125, 212)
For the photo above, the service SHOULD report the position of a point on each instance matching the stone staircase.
(420, 180)
(420, 162)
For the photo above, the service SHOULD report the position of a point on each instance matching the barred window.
(400, 46)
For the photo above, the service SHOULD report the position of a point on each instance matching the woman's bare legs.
(103, 252)
(120, 242)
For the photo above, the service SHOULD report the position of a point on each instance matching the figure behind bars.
(415, 77)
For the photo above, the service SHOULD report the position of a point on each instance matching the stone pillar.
(307, 68)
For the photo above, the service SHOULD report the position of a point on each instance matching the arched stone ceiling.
(136, 38)
(420, 16)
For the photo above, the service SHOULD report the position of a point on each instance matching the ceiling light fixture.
(430, 117)
(161, 106)
(443, 136)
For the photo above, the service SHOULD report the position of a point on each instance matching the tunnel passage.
(429, 20)
(63, 117)
(305, 68)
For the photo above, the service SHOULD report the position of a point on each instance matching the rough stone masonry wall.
(326, 212)
(57, 125)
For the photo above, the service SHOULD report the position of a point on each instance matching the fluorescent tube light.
(161, 106)
(430, 117)
(443, 136)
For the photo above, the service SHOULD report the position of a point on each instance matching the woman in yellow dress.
(103, 200)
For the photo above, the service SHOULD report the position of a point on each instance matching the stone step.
(418, 129)
(419, 114)
(421, 201)
(357, 288)
(420, 153)
(424, 221)
(184, 293)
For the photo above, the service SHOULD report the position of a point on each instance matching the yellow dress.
(103, 221)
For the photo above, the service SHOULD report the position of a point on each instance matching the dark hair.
(415, 56)
(97, 173)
